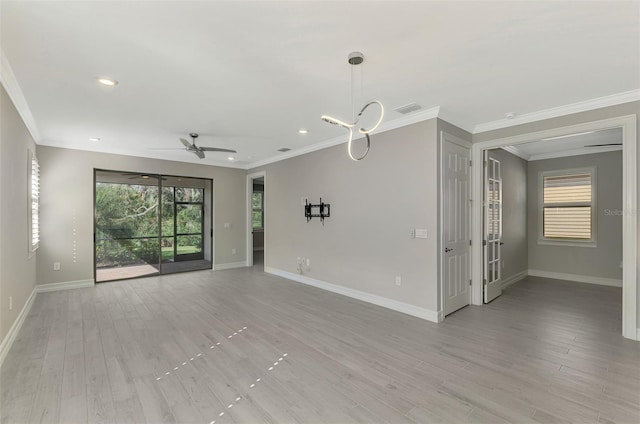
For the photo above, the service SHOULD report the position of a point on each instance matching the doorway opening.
(563, 200)
(256, 220)
(149, 224)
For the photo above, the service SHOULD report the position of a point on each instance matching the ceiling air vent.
(411, 107)
(284, 149)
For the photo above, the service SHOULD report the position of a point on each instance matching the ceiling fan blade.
(215, 149)
(186, 143)
(604, 145)
(199, 153)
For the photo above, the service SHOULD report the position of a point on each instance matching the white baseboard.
(575, 277)
(514, 279)
(230, 265)
(385, 302)
(7, 342)
(66, 285)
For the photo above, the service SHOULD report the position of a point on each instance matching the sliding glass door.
(126, 227)
(182, 224)
(150, 224)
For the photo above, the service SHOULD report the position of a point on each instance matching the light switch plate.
(421, 233)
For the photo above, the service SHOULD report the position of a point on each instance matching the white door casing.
(492, 241)
(456, 254)
(249, 221)
(630, 255)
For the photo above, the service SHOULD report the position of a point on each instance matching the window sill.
(572, 243)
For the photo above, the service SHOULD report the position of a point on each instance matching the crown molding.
(515, 151)
(600, 102)
(385, 126)
(575, 152)
(146, 155)
(455, 119)
(10, 84)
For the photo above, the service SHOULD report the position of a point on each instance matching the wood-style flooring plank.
(210, 346)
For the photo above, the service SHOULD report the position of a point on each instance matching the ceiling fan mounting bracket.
(193, 135)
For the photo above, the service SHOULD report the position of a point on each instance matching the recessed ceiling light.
(94, 139)
(303, 131)
(231, 158)
(107, 81)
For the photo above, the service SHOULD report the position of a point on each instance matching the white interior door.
(492, 228)
(456, 263)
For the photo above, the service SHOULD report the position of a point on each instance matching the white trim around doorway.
(629, 199)
(250, 178)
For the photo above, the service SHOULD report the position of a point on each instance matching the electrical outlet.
(308, 262)
(398, 280)
(56, 266)
(234, 251)
(10, 303)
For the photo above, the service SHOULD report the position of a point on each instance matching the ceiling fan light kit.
(355, 59)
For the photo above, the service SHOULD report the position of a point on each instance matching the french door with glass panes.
(492, 228)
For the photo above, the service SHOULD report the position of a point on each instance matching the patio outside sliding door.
(127, 231)
(151, 224)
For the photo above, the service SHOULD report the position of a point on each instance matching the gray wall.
(602, 260)
(374, 204)
(67, 207)
(576, 118)
(514, 213)
(17, 268)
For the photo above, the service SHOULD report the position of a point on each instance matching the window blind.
(34, 233)
(567, 206)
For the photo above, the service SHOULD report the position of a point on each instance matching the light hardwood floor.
(546, 351)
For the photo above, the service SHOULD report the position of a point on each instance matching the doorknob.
(501, 243)
(447, 249)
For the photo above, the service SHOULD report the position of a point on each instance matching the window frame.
(33, 198)
(261, 210)
(592, 242)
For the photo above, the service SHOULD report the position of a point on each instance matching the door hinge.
(469, 282)
(469, 242)
(484, 281)
(484, 242)
(470, 162)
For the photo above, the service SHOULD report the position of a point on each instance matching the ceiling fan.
(199, 151)
(604, 145)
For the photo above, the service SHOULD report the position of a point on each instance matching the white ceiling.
(576, 144)
(248, 75)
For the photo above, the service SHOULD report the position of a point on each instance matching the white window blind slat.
(34, 211)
